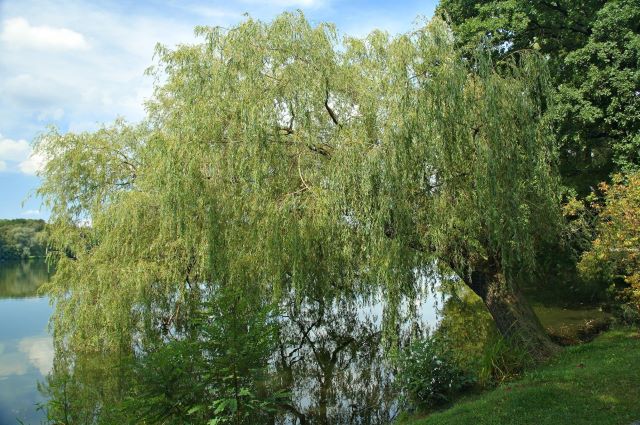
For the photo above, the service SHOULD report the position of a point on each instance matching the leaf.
(194, 409)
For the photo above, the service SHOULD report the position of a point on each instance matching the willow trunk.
(512, 313)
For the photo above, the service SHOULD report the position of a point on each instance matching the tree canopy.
(279, 157)
(593, 49)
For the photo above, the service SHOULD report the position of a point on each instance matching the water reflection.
(329, 361)
(39, 351)
(29, 352)
(331, 358)
(329, 364)
(22, 279)
(26, 349)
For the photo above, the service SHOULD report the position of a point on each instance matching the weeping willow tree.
(279, 157)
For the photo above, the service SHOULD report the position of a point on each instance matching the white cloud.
(13, 150)
(18, 32)
(39, 91)
(31, 213)
(51, 114)
(33, 164)
(40, 352)
(17, 155)
(82, 88)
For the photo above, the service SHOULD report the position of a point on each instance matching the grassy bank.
(594, 383)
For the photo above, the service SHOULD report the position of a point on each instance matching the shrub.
(216, 375)
(428, 375)
(615, 254)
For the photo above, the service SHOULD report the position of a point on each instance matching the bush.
(615, 254)
(216, 375)
(428, 375)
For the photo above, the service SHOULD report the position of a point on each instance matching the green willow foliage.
(277, 157)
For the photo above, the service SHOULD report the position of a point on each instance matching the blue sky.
(76, 64)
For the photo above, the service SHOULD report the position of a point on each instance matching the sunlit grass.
(595, 383)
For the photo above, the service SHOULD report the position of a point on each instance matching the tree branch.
(332, 114)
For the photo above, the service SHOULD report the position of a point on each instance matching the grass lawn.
(594, 383)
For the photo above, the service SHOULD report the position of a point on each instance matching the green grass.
(594, 383)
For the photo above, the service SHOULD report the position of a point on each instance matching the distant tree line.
(22, 238)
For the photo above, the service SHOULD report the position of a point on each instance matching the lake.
(326, 377)
(26, 349)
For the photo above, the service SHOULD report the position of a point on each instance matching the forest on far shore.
(22, 238)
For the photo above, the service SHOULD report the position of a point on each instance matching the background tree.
(593, 49)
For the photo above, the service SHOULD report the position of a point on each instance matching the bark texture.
(511, 312)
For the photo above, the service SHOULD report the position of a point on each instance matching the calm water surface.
(335, 369)
(26, 349)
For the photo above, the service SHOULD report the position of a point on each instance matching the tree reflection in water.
(331, 357)
(330, 360)
(21, 279)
